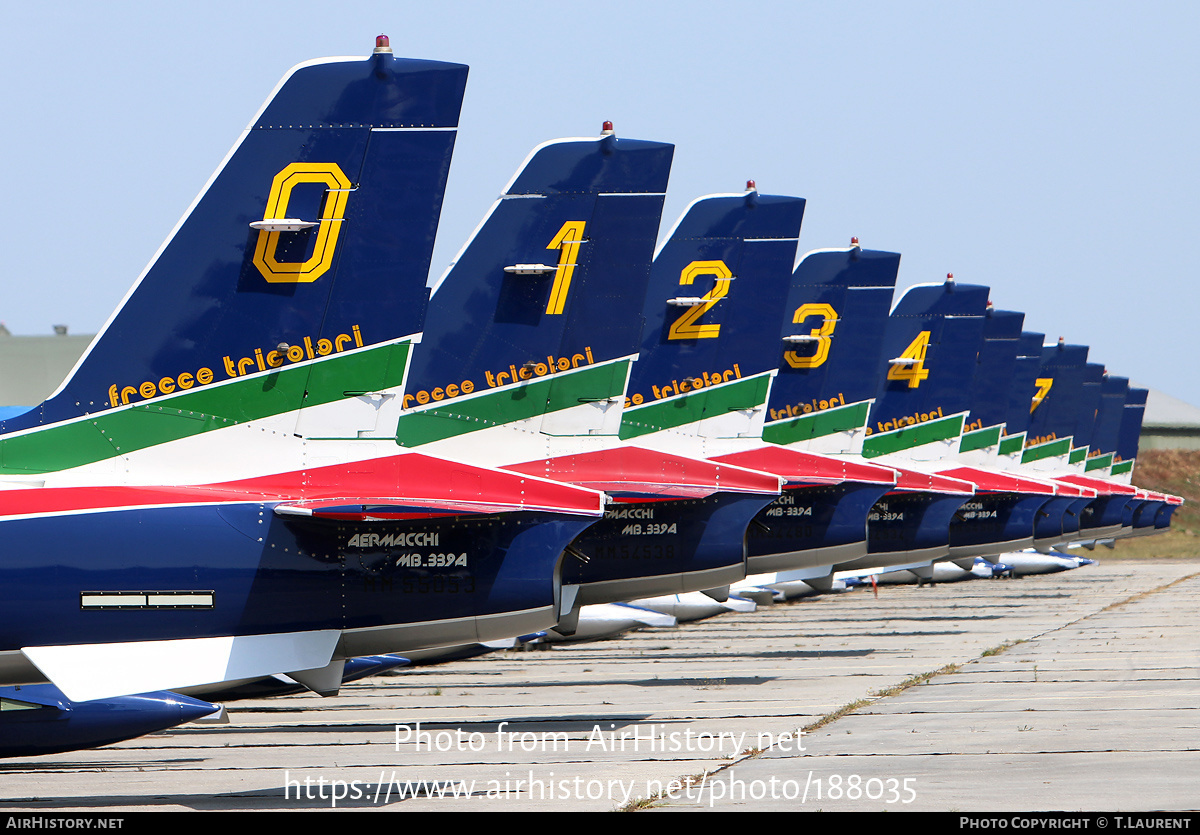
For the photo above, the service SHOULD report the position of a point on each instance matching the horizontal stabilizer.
(1101, 486)
(633, 470)
(427, 486)
(989, 481)
(915, 481)
(1077, 491)
(800, 468)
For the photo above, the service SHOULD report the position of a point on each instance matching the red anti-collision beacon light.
(382, 43)
(751, 186)
(607, 128)
(854, 241)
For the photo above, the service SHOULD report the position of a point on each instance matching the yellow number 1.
(567, 243)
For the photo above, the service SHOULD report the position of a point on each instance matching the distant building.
(1169, 423)
(31, 367)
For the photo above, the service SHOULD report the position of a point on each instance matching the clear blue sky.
(1046, 150)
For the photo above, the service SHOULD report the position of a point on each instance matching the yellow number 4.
(910, 365)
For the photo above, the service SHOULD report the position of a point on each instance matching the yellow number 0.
(284, 272)
(822, 335)
(685, 326)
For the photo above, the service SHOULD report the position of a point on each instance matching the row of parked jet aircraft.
(283, 451)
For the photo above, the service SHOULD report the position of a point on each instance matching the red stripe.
(637, 470)
(1074, 490)
(997, 482)
(407, 479)
(1104, 488)
(800, 468)
(915, 481)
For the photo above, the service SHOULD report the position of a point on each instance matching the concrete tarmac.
(1072, 691)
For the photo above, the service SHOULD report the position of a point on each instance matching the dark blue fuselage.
(261, 573)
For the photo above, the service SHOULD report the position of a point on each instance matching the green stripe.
(750, 393)
(1099, 462)
(1012, 443)
(1078, 454)
(1122, 467)
(817, 424)
(916, 435)
(109, 434)
(980, 439)
(1050, 449)
(511, 404)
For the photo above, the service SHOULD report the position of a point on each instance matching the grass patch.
(913, 681)
(1135, 597)
(641, 803)
(1002, 648)
(836, 715)
(654, 800)
(1173, 471)
(1173, 544)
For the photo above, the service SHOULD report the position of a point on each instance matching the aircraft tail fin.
(837, 311)
(706, 352)
(1023, 386)
(1058, 399)
(994, 366)
(933, 336)
(1130, 431)
(293, 279)
(327, 204)
(545, 296)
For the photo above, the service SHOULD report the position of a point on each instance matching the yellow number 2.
(685, 327)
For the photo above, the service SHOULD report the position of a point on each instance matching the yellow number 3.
(819, 335)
